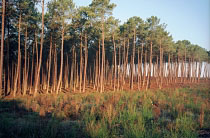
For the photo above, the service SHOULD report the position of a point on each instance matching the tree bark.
(142, 50)
(115, 62)
(40, 54)
(61, 66)
(133, 57)
(19, 59)
(150, 67)
(86, 61)
(25, 65)
(49, 66)
(2, 45)
(118, 81)
(81, 65)
(103, 57)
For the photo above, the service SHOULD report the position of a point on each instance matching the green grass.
(159, 113)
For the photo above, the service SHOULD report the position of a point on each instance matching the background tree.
(2, 45)
(102, 8)
(79, 49)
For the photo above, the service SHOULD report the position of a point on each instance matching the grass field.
(178, 112)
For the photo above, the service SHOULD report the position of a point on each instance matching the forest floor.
(175, 111)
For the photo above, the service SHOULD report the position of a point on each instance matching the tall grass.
(158, 113)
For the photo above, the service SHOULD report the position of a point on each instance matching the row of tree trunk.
(141, 70)
(78, 76)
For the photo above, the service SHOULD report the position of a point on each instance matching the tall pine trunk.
(40, 54)
(81, 65)
(61, 65)
(86, 61)
(49, 66)
(17, 73)
(103, 58)
(25, 78)
(133, 57)
(115, 62)
(2, 45)
(150, 68)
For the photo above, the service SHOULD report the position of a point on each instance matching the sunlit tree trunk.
(145, 67)
(150, 67)
(72, 70)
(54, 68)
(32, 69)
(199, 70)
(81, 65)
(66, 74)
(119, 72)
(133, 57)
(103, 57)
(25, 79)
(49, 66)
(138, 70)
(157, 71)
(185, 65)
(96, 71)
(86, 61)
(2, 45)
(8, 72)
(19, 59)
(99, 64)
(142, 50)
(40, 54)
(169, 69)
(161, 66)
(61, 65)
(124, 62)
(115, 62)
(75, 70)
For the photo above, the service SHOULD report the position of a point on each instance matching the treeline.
(71, 49)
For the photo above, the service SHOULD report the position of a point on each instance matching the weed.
(152, 113)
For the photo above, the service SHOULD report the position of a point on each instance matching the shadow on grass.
(18, 122)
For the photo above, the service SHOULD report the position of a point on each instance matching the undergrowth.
(176, 113)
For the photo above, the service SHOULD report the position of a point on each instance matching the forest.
(72, 49)
(56, 49)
